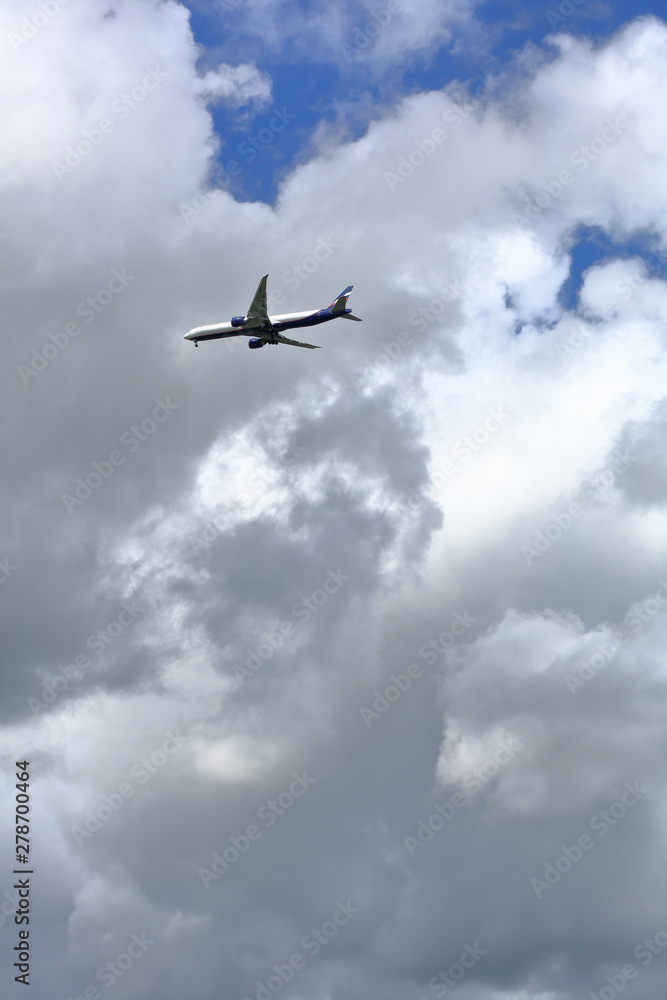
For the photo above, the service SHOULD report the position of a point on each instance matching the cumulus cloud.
(352, 34)
(188, 643)
(237, 85)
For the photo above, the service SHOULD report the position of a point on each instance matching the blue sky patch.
(591, 245)
(346, 79)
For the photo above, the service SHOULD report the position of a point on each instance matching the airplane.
(268, 329)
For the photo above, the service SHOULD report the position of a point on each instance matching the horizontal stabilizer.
(339, 305)
(295, 343)
(350, 316)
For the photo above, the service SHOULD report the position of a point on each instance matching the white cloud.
(306, 473)
(350, 33)
(237, 85)
(227, 761)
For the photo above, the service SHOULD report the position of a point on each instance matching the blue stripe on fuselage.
(315, 319)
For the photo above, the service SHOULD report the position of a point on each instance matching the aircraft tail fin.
(257, 315)
(337, 307)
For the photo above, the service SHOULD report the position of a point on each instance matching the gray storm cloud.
(257, 548)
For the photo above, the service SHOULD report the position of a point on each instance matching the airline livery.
(264, 329)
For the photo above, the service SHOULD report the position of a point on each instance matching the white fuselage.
(286, 321)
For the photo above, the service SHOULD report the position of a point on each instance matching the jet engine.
(238, 320)
(255, 342)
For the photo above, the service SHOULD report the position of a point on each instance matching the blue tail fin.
(339, 303)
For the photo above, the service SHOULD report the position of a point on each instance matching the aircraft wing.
(294, 343)
(257, 314)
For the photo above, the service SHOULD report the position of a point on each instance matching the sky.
(334, 674)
